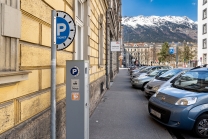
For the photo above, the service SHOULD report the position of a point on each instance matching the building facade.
(25, 66)
(202, 32)
(147, 54)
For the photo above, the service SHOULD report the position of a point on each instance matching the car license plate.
(155, 113)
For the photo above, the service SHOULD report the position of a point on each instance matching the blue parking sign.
(62, 30)
(74, 71)
(171, 50)
(65, 30)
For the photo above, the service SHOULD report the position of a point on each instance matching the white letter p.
(59, 30)
(74, 70)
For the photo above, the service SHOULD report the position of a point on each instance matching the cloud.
(193, 3)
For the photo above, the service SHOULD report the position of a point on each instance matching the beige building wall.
(25, 102)
(22, 100)
(97, 41)
(97, 8)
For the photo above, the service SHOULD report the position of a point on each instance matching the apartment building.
(25, 65)
(136, 52)
(202, 32)
(147, 53)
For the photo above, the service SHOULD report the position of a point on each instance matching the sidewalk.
(123, 114)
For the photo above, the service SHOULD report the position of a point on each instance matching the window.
(100, 37)
(111, 3)
(204, 2)
(204, 28)
(204, 44)
(204, 58)
(9, 49)
(205, 13)
(79, 9)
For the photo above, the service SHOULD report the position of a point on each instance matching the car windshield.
(169, 74)
(196, 81)
(138, 70)
(153, 73)
(161, 72)
(141, 68)
(145, 70)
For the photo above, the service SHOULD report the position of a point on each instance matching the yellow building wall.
(22, 100)
(97, 8)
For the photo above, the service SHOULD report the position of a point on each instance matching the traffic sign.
(115, 46)
(171, 50)
(74, 71)
(65, 30)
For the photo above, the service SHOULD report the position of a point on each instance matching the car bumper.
(149, 92)
(170, 115)
(137, 84)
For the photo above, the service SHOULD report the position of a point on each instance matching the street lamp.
(177, 55)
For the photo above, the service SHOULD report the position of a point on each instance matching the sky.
(160, 8)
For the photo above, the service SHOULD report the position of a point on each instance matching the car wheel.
(143, 86)
(201, 126)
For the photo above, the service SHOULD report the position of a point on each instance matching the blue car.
(184, 104)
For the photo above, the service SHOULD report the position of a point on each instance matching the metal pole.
(177, 56)
(53, 74)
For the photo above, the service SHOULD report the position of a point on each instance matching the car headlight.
(186, 101)
(155, 95)
(155, 88)
(136, 81)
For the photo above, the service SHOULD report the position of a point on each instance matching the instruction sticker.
(74, 84)
(75, 96)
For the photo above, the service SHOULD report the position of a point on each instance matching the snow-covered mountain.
(159, 29)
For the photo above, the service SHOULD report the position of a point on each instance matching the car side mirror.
(173, 80)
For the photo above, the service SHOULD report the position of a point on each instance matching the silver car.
(164, 80)
(148, 70)
(141, 81)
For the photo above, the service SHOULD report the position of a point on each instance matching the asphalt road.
(123, 114)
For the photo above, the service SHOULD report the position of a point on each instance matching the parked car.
(184, 104)
(149, 70)
(142, 70)
(163, 81)
(137, 70)
(130, 68)
(140, 82)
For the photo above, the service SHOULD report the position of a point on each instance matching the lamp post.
(177, 55)
(184, 43)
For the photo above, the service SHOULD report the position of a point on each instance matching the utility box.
(77, 99)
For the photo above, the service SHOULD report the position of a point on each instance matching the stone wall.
(96, 92)
(38, 127)
(114, 70)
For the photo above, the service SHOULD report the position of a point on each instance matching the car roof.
(200, 69)
(181, 68)
(164, 69)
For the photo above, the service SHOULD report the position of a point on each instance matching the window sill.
(13, 77)
(101, 66)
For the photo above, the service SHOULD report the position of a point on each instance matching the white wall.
(201, 36)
